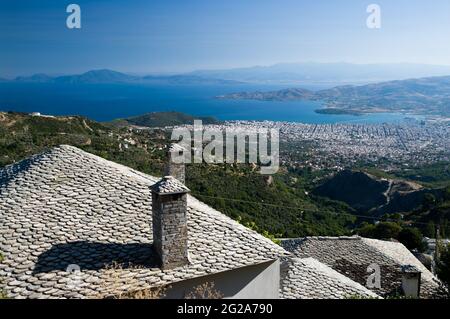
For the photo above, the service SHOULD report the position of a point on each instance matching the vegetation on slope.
(280, 206)
(277, 204)
(275, 208)
(432, 175)
(161, 119)
(22, 135)
(443, 269)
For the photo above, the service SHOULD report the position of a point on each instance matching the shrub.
(116, 287)
(383, 230)
(204, 291)
(412, 238)
(443, 268)
(366, 230)
(387, 230)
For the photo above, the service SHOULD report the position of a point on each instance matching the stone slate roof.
(169, 185)
(351, 257)
(66, 208)
(308, 278)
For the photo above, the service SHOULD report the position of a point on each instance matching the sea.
(105, 102)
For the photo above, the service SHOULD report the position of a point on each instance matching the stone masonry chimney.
(173, 167)
(411, 276)
(169, 213)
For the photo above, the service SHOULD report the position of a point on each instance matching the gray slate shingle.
(352, 255)
(308, 278)
(169, 185)
(67, 207)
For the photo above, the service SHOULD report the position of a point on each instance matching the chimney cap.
(410, 269)
(169, 185)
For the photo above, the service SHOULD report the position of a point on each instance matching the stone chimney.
(175, 162)
(169, 213)
(411, 276)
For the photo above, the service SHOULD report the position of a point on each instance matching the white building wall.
(253, 282)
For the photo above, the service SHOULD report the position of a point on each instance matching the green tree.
(447, 193)
(429, 201)
(366, 230)
(443, 267)
(412, 238)
(430, 229)
(387, 230)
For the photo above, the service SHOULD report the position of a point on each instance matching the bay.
(105, 102)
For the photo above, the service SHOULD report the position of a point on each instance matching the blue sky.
(176, 36)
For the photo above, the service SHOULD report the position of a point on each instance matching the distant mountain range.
(421, 96)
(109, 76)
(326, 73)
(427, 95)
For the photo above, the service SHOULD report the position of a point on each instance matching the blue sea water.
(105, 102)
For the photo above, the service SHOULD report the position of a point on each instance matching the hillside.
(420, 96)
(278, 207)
(22, 135)
(359, 190)
(282, 95)
(369, 194)
(293, 203)
(160, 119)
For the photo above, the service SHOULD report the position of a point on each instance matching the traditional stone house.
(74, 225)
(307, 278)
(356, 258)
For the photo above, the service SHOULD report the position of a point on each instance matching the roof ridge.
(322, 238)
(325, 269)
(82, 206)
(193, 202)
(398, 259)
(294, 274)
(130, 172)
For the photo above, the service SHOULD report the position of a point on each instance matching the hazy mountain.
(109, 76)
(423, 96)
(185, 79)
(326, 73)
(283, 73)
(97, 76)
(94, 76)
(36, 78)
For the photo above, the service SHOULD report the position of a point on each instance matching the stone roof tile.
(169, 185)
(351, 256)
(307, 278)
(68, 218)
